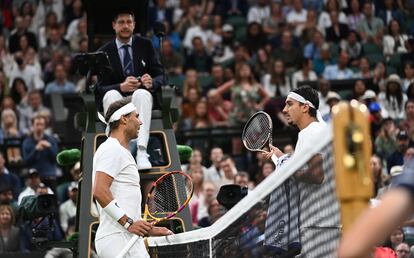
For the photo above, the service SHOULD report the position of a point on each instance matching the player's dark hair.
(311, 95)
(114, 107)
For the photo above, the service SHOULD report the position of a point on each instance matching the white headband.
(128, 108)
(301, 99)
(297, 97)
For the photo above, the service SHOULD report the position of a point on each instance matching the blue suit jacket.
(145, 60)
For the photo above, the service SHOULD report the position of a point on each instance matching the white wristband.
(275, 159)
(113, 210)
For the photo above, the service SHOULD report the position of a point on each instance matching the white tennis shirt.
(116, 161)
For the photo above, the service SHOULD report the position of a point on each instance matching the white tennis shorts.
(110, 246)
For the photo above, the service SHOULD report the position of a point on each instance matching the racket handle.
(128, 246)
(275, 159)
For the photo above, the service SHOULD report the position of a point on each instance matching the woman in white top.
(324, 20)
(306, 74)
(394, 42)
(277, 83)
(393, 99)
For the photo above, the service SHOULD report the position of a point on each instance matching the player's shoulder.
(109, 145)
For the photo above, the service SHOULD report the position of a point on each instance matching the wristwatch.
(128, 223)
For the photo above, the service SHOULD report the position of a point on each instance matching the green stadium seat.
(344, 93)
(391, 70)
(236, 21)
(373, 59)
(205, 80)
(240, 35)
(334, 50)
(395, 61)
(371, 48)
(177, 80)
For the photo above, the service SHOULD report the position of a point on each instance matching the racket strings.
(257, 132)
(169, 194)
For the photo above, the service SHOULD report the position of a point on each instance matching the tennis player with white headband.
(116, 186)
(301, 110)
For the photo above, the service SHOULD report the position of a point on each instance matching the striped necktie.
(127, 62)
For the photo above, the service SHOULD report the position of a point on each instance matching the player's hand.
(130, 84)
(146, 80)
(160, 231)
(273, 150)
(140, 227)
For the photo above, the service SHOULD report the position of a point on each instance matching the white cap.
(369, 94)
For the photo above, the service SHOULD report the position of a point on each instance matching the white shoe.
(143, 161)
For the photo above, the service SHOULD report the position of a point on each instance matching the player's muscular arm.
(313, 174)
(101, 191)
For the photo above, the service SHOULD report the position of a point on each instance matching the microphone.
(159, 29)
(68, 157)
(185, 152)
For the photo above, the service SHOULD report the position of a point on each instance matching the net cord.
(265, 188)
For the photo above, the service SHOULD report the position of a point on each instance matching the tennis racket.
(168, 196)
(257, 133)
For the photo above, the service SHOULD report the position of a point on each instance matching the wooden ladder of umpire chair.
(161, 130)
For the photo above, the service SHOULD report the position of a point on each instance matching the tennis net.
(279, 218)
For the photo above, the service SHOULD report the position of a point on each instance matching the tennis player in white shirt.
(117, 186)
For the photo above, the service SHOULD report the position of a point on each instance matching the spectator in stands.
(255, 37)
(291, 56)
(371, 28)
(364, 69)
(325, 18)
(310, 26)
(312, 50)
(76, 31)
(377, 170)
(43, 8)
(262, 64)
(397, 157)
(40, 150)
(61, 84)
(185, 17)
(11, 137)
(273, 23)
(242, 179)
(19, 92)
(386, 141)
(408, 75)
(340, 71)
(213, 173)
(9, 234)
(358, 90)
(21, 29)
(223, 52)
(375, 118)
(35, 107)
(189, 103)
(395, 41)
(355, 16)
(32, 183)
(196, 174)
(9, 182)
(218, 109)
(296, 18)
(31, 58)
(403, 250)
(173, 62)
(209, 193)
(201, 31)
(276, 83)
(332, 99)
(160, 12)
(51, 20)
(395, 238)
(248, 96)
(390, 13)
(379, 76)
(408, 123)
(393, 99)
(54, 42)
(200, 119)
(353, 47)
(229, 170)
(19, 68)
(305, 74)
(217, 74)
(72, 12)
(267, 169)
(338, 30)
(325, 60)
(214, 213)
(199, 59)
(233, 8)
(259, 13)
(67, 210)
